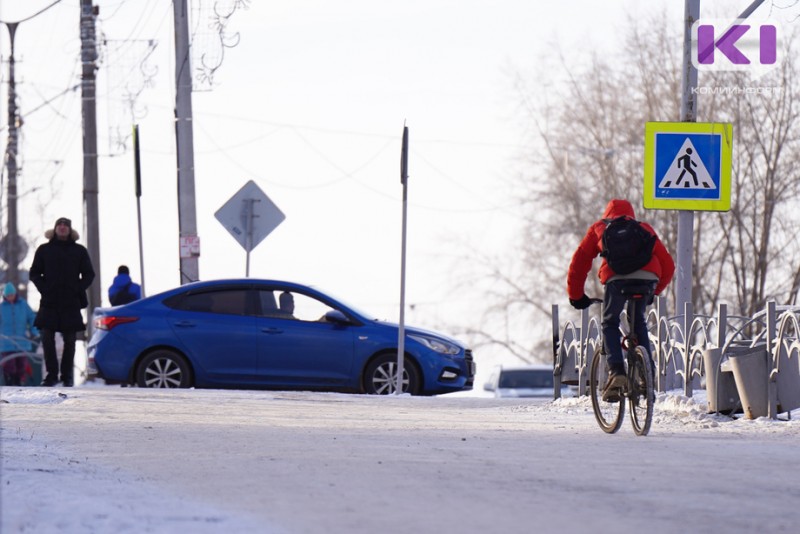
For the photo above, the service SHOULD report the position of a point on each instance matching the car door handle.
(272, 330)
(185, 324)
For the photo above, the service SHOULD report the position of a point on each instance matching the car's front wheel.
(163, 369)
(380, 377)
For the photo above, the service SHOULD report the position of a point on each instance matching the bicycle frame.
(638, 390)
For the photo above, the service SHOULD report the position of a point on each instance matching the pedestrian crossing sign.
(687, 166)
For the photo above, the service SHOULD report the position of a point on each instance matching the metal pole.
(12, 234)
(248, 213)
(187, 213)
(401, 335)
(138, 177)
(683, 283)
(90, 179)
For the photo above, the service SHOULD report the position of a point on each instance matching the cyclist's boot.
(612, 391)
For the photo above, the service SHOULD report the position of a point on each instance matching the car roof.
(209, 284)
(225, 281)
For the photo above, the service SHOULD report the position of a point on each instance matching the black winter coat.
(62, 272)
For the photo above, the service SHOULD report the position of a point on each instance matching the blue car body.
(234, 334)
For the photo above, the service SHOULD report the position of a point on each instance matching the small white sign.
(190, 246)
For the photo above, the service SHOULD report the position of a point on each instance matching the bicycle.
(638, 389)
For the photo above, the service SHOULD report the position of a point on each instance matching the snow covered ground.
(123, 460)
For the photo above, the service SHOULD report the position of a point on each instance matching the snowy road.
(133, 460)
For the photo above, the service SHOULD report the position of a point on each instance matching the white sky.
(310, 105)
(133, 460)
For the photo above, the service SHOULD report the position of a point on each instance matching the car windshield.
(525, 378)
(343, 302)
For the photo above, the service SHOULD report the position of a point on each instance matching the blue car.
(266, 334)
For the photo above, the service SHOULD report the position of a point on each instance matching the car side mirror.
(337, 317)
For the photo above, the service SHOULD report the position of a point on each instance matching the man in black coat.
(62, 272)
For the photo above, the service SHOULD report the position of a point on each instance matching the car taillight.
(107, 322)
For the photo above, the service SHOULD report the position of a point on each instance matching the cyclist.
(658, 271)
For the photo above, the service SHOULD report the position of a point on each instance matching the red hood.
(618, 208)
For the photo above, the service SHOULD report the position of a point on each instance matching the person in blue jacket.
(123, 290)
(16, 327)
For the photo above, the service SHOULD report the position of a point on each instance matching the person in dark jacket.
(658, 271)
(62, 272)
(123, 290)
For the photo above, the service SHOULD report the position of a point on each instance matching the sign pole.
(248, 213)
(401, 335)
(683, 283)
(683, 286)
(138, 176)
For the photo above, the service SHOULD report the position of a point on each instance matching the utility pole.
(187, 217)
(89, 108)
(13, 248)
(10, 243)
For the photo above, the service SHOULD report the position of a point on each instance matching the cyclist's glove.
(582, 303)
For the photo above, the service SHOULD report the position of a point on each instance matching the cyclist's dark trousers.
(613, 304)
(51, 358)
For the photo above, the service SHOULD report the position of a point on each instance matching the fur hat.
(73, 234)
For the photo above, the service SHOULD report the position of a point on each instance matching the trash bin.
(720, 385)
(787, 381)
(750, 371)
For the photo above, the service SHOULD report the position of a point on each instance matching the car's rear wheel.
(380, 377)
(163, 369)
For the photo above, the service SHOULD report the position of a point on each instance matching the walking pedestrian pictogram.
(687, 166)
(687, 171)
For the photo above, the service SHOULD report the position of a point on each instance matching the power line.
(31, 16)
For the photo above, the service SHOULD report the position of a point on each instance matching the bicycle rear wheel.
(641, 396)
(609, 415)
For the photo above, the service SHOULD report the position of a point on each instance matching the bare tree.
(587, 148)
(751, 254)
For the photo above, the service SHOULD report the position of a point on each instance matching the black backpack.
(123, 296)
(627, 245)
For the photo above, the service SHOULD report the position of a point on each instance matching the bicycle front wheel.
(641, 395)
(608, 414)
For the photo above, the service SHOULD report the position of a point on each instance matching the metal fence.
(689, 350)
(19, 349)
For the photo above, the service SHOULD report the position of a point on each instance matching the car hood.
(411, 330)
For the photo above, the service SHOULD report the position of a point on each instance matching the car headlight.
(435, 344)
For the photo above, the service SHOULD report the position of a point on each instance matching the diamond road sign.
(250, 216)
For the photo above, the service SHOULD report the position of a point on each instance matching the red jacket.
(661, 264)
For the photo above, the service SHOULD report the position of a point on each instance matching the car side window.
(292, 305)
(268, 304)
(229, 302)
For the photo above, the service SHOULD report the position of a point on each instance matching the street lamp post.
(11, 246)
